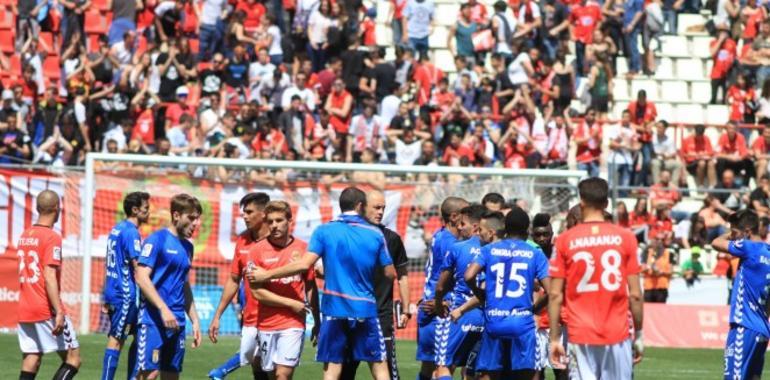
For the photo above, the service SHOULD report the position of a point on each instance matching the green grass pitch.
(658, 364)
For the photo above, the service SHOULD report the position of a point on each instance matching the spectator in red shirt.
(741, 99)
(664, 192)
(254, 11)
(583, 20)
(338, 105)
(639, 219)
(588, 138)
(455, 151)
(661, 225)
(643, 115)
(395, 16)
(175, 110)
(733, 153)
(723, 51)
(761, 150)
(699, 157)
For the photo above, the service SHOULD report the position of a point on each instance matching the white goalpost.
(546, 189)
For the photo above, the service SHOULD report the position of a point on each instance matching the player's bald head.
(375, 196)
(47, 202)
(450, 206)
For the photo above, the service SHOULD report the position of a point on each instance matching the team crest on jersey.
(57, 253)
(594, 229)
(294, 256)
(155, 356)
(137, 245)
(146, 250)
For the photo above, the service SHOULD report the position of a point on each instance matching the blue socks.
(231, 364)
(110, 363)
(444, 378)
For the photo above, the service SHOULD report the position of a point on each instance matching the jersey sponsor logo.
(764, 260)
(146, 250)
(137, 245)
(172, 251)
(511, 253)
(115, 232)
(509, 313)
(271, 260)
(57, 253)
(471, 328)
(28, 241)
(596, 241)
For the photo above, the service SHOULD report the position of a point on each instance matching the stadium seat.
(675, 46)
(194, 45)
(15, 66)
(620, 89)
(7, 41)
(713, 134)
(96, 22)
(717, 113)
(617, 110)
(689, 113)
(649, 85)
(686, 20)
(446, 14)
(52, 67)
(665, 111)
(689, 68)
(438, 38)
(674, 91)
(664, 69)
(622, 65)
(383, 36)
(7, 19)
(100, 5)
(47, 38)
(700, 47)
(444, 60)
(700, 92)
(383, 10)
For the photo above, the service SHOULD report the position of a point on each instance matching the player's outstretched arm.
(145, 284)
(636, 303)
(268, 298)
(189, 304)
(52, 291)
(722, 243)
(300, 266)
(230, 289)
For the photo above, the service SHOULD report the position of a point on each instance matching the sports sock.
(444, 377)
(231, 364)
(27, 375)
(65, 372)
(110, 363)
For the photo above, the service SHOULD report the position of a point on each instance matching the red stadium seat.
(46, 37)
(194, 45)
(7, 41)
(96, 22)
(15, 70)
(52, 67)
(7, 19)
(8, 81)
(100, 5)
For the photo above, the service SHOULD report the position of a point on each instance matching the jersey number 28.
(610, 271)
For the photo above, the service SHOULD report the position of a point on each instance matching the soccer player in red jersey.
(282, 306)
(252, 206)
(595, 267)
(43, 323)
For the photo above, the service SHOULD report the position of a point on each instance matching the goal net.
(413, 196)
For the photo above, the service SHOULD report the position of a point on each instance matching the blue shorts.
(507, 354)
(745, 353)
(159, 348)
(362, 338)
(454, 341)
(426, 337)
(122, 319)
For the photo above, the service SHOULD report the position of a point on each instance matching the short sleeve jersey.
(751, 288)
(511, 267)
(351, 249)
(243, 247)
(170, 259)
(268, 256)
(124, 244)
(457, 260)
(595, 260)
(440, 244)
(38, 247)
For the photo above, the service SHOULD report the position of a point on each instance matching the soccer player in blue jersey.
(252, 208)
(749, 326)
(426, 320)
(351, 250)
(454, 341)
(120, 299)
(162, 276)
(511, 267)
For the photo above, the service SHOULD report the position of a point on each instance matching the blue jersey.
(351, 250)
(170, 259)
(123, 246)
(457, 260)
(442, 241)
(751, 286)
(511, 267)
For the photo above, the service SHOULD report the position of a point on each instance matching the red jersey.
(266, 255)
(450, 153)
(243, 246)
(595, 259)
(736, 145)
(367, 26)
(738, 99)
(693, 145)
(144, 127)
(659, 192)
(253, 12)
(38, 247)
(641, 116)
(592, 149)
(658, 226)
(724, 58)
(755, 18)
(584, 20)
(760, 146)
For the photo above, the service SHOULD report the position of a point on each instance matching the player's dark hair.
(496, 221)
(278, 206)
(260, 199)
(594, 192)
(517, 223)
(185, 204)
(350, 198)
(541, 220)
(748, 220)
(495, 198)
(134, 199)
(574, 216)
(474, 212)
(451, 205)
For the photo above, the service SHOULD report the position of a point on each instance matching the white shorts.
(544, 345)
(249, 344)
(283, 347)
(37, 337)
(589, 362)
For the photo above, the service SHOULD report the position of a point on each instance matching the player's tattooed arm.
(189, 303)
